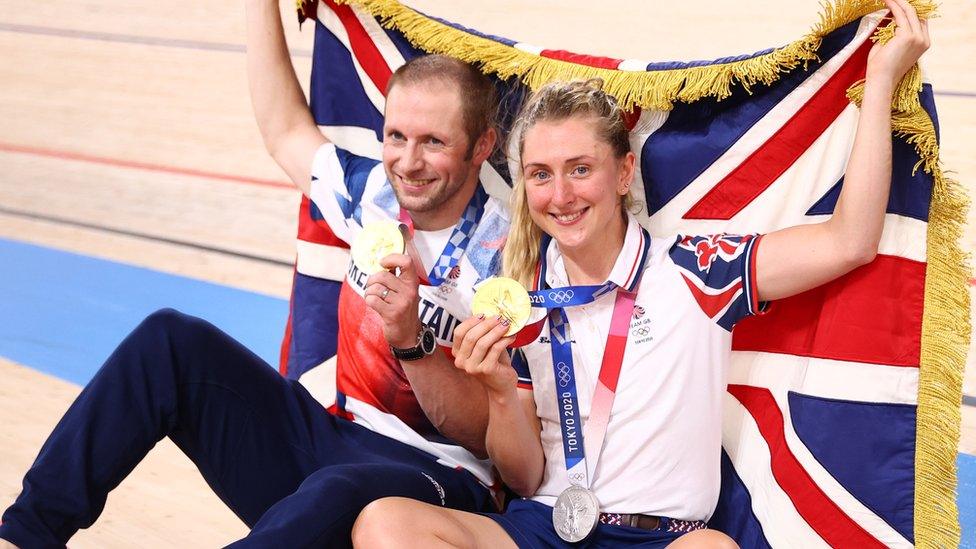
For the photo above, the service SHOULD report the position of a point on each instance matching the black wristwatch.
(426, 343)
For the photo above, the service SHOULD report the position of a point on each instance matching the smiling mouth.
(569, 218)
(415, 182)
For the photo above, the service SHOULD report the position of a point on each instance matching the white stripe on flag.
(355, 139)
(781, 524)
(320, 382)
(382, 40)
(649, 122)
(902, 236)
(529, 48)
(818, 377)
(636, 65)
(321, 260)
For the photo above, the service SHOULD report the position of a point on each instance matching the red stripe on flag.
(631, 118)
(366, 52)
(285, 351)
(824, 516)
(767, 163)
(873, 314)
(580, 59)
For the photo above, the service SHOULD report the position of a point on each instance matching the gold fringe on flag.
(945, 323)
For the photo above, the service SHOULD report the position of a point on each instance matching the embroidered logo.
(639, 312)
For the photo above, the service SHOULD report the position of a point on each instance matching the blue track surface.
(63, 313)
(967, 500)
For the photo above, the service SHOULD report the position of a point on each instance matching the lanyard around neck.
(574, 433)
(456, 244)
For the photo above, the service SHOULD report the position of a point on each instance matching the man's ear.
(484, 146)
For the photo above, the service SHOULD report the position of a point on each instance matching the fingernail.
(481, 316)
(504, 322)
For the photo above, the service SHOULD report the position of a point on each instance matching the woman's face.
(573, 182)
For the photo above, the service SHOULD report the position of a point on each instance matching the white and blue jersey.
(369, 386)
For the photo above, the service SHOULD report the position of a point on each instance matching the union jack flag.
(820, 416)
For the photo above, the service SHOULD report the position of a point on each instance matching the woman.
(633, 318)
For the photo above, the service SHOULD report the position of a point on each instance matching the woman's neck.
(592, 263)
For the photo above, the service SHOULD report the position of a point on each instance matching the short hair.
(479, 100)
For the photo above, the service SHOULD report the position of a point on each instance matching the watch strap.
(413, 353)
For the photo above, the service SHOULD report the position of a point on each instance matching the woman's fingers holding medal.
(394, 298)
(480, 350)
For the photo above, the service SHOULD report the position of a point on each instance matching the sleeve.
(720, 272)
(339, 183)
(521, 366)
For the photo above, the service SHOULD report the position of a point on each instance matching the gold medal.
(376, 241)
(503, 297)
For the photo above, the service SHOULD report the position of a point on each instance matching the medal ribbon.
(456, 244)
(560, 340)
(570, 420)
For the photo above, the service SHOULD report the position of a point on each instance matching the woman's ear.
(627, 165)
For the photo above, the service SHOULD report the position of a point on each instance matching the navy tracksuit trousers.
(297, 475)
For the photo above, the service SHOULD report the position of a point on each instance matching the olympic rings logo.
(642, 331)
(561, 296)
(563, 373)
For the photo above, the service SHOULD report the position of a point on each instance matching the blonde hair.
(554, 102)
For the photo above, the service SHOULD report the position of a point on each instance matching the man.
(290, 470)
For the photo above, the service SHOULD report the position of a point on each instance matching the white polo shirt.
(662, 450)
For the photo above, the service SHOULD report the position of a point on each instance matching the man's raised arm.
(287, 127)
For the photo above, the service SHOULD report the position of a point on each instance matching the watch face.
(427, 342)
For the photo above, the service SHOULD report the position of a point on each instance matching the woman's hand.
(888, 63)
(479, 349)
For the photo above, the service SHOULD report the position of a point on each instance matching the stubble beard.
(437, 197)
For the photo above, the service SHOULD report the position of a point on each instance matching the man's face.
(425, 153)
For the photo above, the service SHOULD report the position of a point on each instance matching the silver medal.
(575, 514)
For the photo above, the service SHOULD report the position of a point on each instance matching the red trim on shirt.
(754, 307)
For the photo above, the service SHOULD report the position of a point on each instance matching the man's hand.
(396, 299)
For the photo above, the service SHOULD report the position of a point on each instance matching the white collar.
(625, 272)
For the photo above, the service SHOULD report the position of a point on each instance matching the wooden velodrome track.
(126, 134)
